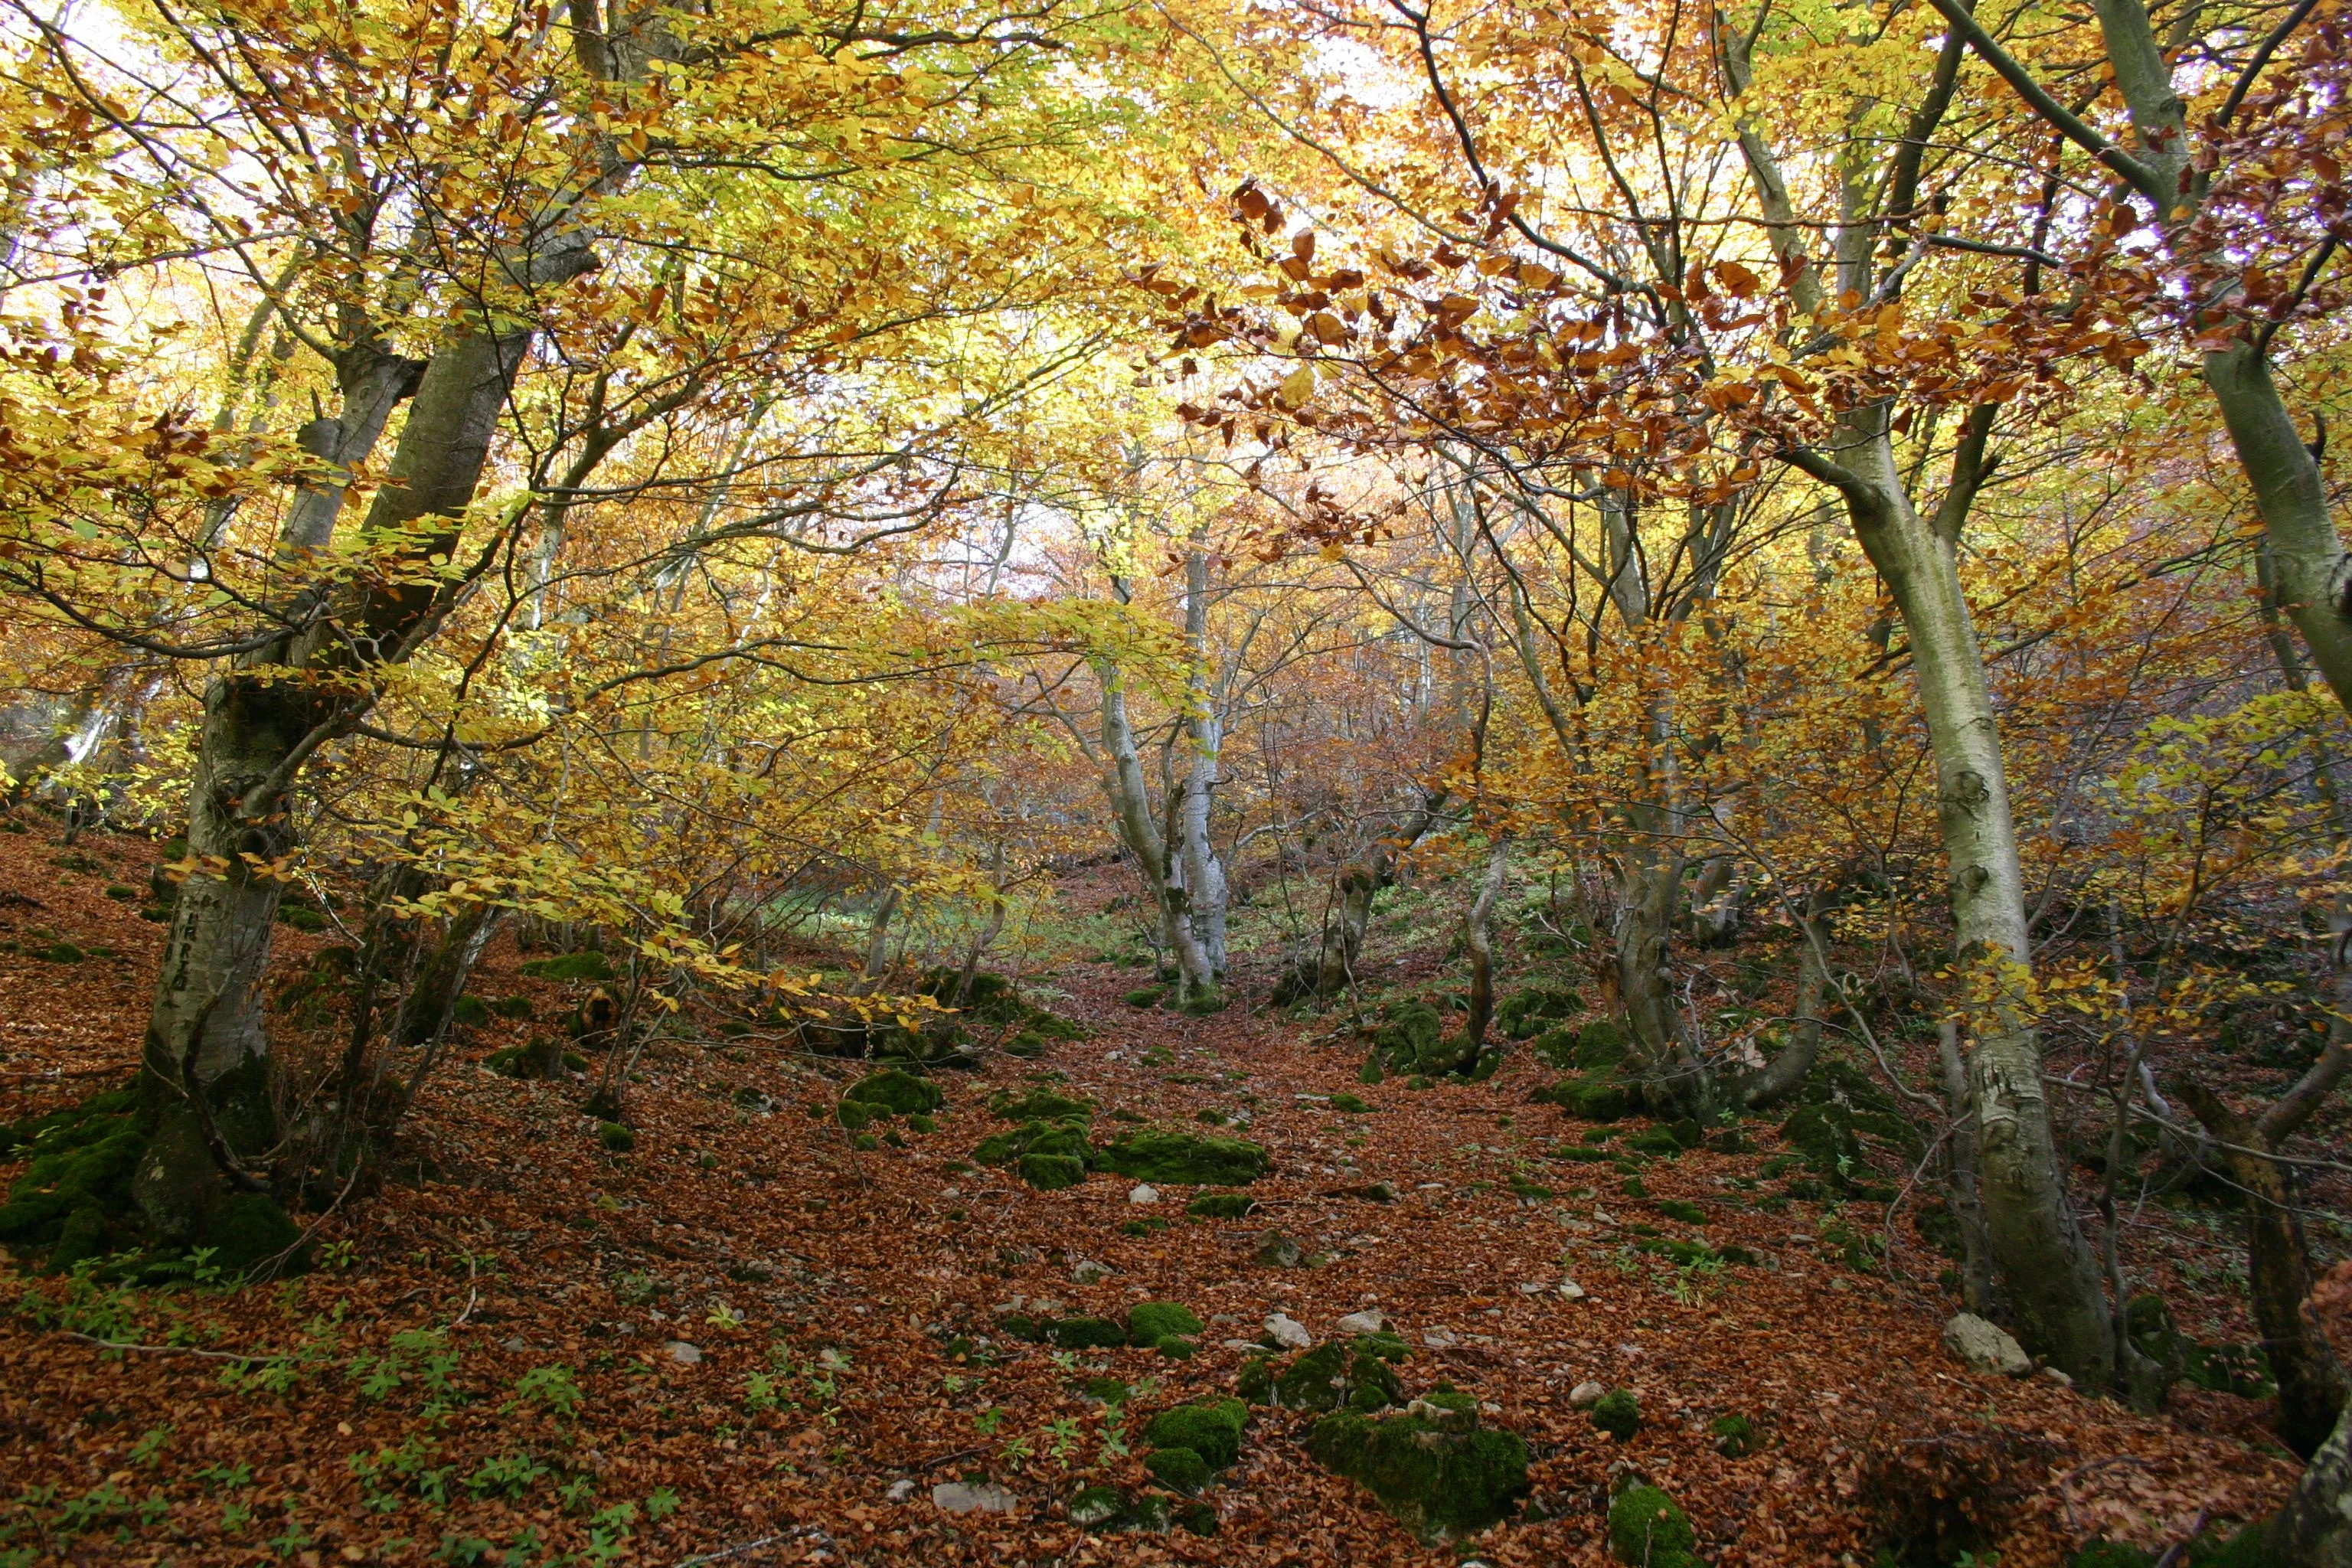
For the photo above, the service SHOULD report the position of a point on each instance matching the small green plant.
(660, 1503)
(986, 1422)
(1062, 1440)
(508, 1476)
(552, 1387)
(150, 1446)
(576, 1493)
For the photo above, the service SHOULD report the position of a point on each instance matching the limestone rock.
(1982, 1346)
(683, 1353)
(1144, 1193)
(981, 1497)
(1277, 1250)
(1587, 1394)
(1371, 1320)
(1287, 1332)
(1086, 1271)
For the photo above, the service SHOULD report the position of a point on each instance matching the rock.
(1432, 1468)
(982, 1497)
(516, 1346)
(1572, 1290)
(1150, 1323)
(683, 1353)
(1166, 1154)
(1371, 1320)
(1982, 1346)
(2060, 1378)
(1278, 1251)
(1287, 1332)
(1086, 1271)
(1587, 1394)
(1145, 1193)
(1439, 1339)
(900, 1490)
(1647, 1527)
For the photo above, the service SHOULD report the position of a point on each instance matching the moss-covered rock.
(1619, 1413)
(1166, 1154)
(1048, 1155)
(587, 965)
(1350, 1104)
(1334, 1376)
(83, 1158)
(1107, 1511)
(896, 1092)
(1823, 1134)
(1149, 1323)
(1085, 1333)
(615, 1136)
(1596, 1097)
(1040, 1105)
(1432, 1468)
(1051, 1172)
(1526, 1013)
(1212, 1428)
(1182, 1469)
(1221, 1205)
(1601, 1044)
(251, 1232)
(1648, 1529)
(1734, 1435)
(1145, 996)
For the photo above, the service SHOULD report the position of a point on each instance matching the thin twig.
(166, 1349)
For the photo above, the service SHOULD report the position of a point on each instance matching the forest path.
(770, 1329)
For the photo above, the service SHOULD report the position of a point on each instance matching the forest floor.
(749, 1341)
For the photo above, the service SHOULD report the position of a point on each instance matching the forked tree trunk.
(1478, 942)
(1147, 840)
(206, 1033)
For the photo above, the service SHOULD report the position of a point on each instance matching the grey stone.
(1982, 1346)
(901, 1489)
(1145, 1193)
(980, 1497)
(1439, 1339)
(1278, 1250)
(683, 1353)
(1086, 1271)
(1287, 1332)
(1572, 1290)
(1587, 1394)
(1371, 1320)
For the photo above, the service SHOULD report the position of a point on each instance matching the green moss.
(1221, 1205)
(1524, 1013)
(1733, 1435)
(1149, 1323)
(1371, 1071)
(1212, 1429)
(894, 1091)
(1051, 1172)
(1107, 1391)
(82, 1160)
(1040, 1105)
(61, 953)
(1176, 1347)
(1336, 1376)
(1554, 1048)
(1086, 1333)
(1596, 1097)
(1601, 1044)
(516, 1007)
(1619, 1413)
(1350, 1104)
(1164, 1154)
(2111, 1554)
(1649, 1530)
(251, 1231)
(1182, 1469)
(1145, 996)
(1199, 1518)
(1204, 1005)
(1688, 1212)
(615, 1137)
(1439, 1474)
(586, 966)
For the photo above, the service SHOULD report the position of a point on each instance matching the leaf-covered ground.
(487, 1363)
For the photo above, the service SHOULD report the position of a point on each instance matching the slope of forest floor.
(748, 1337)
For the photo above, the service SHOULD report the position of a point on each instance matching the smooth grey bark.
(1962, 1186)
(2315, 1528)
(2044, 1263)
(1207, 892)
(1786, 1073)
(1478, 942)
(1147, 840)
(206, 1033)
(2037, 1245)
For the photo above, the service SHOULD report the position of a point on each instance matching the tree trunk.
(1786, 1073)
(1649, 888)
(2038, 1249)
(1478, 940)
(2315, 1528)
(1130, 802)
(2311, 1384)
(205, 1033)
(1206, 891)
(1960, 1173)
